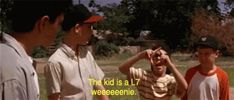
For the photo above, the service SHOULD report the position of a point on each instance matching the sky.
(224, 9)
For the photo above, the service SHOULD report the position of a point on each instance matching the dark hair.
(75, 14)
(163, 46)
(25, 13)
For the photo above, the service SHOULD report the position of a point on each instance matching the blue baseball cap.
(208, 41)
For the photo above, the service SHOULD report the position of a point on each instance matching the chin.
(159, 71)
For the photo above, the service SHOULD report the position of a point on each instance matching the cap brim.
(206, 45)
(93, 19)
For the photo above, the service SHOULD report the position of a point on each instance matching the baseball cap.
(208, 41)
(79, 14)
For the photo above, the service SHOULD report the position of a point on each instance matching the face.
(50, 30)
(157, 65)
(207, 55)
(85, 34)
(158, 69)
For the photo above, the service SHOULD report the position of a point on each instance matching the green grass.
(43, 93)
(183, 61)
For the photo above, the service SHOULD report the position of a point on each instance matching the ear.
(77, 28)
(42, 23)
(217, 53)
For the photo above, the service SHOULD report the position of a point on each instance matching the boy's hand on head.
(165, 59)
(155, 56)
(148, 53)
(160, 57)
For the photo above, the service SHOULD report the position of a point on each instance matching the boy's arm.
(54, 96)
(125, 67)
(52, 74)
(224, 85)
(101, 97)
(182, 84)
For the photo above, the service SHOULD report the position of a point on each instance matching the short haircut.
(162, 46)
(76, 14)
(25, 13)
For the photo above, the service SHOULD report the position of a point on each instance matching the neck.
(159, 74)
(69, 42)
(208, 68)
(24, 39)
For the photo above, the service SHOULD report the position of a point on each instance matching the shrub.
(125, 41)
(205, 23)
(103, 48)
(39, 52)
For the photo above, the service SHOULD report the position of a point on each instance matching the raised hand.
(160, 57)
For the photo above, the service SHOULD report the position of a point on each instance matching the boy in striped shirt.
(155, 84)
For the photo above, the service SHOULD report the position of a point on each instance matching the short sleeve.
(53, 77)
(224, 84)
(136, 73)
(99, 73)
(172, 86)
(12, 90)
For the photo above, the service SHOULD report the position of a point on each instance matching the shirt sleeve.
(53, 77)
(172, 86)
(12, 90)
(136, 73)
(224, 85)
(99, 73)
(188, 76)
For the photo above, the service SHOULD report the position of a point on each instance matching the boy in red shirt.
(207, 81)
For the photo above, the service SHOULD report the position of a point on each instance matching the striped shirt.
(151, 87)
(201, 86)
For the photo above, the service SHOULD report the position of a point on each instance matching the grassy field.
(110, 67)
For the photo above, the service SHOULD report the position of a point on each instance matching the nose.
(159, 57)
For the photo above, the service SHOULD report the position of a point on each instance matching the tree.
(206, 23)
(167, 19)
(5, 7)
(115, 17)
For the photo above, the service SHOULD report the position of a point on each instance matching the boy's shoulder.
(193, 69)
(221, 72)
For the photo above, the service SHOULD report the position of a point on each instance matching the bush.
(125, 41)
(206, 23)
(39, 52)
(103, 48)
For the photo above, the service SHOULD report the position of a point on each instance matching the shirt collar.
(68, 51)
(12, 42)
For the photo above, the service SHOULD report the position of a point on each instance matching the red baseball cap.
(79, 14)
(93, 19)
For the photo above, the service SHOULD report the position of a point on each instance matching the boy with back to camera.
(34, 23)
(207, 81)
